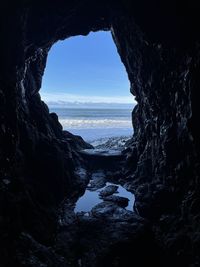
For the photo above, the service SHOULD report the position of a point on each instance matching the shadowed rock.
(108, 190)
(120, 201)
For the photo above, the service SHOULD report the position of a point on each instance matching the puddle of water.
(91, 198)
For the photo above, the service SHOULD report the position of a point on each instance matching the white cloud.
(64, 98)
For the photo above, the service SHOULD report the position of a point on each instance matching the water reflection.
(91, 198)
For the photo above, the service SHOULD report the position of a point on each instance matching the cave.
(158, 42)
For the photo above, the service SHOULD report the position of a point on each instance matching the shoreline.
(114, 143)
(101, 135)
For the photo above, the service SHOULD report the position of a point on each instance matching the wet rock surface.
(108, 190)
(86, 238)
(97, 235)
(120, 201)
(99, 152)
(98, 180)
(103, 158)
(114, 143)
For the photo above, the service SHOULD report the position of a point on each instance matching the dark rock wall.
(37, 158)
(158, 42)
(163, 160)
(161, 81)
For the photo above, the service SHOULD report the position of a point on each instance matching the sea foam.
(94, 123)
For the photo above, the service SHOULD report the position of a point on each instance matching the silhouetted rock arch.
(158, 42)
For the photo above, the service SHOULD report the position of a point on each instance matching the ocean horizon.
(95, 123)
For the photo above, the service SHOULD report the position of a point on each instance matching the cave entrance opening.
(86, 85)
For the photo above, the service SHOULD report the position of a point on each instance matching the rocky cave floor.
(108, 234)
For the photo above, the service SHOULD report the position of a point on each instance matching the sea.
(95, 124)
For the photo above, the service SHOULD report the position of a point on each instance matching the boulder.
(108, 190)
(120, 201)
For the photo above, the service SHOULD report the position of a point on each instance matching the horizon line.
(66, 99)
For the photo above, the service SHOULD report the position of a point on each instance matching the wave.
(100, 123)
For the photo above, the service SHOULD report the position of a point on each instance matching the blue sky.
(85, 69)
